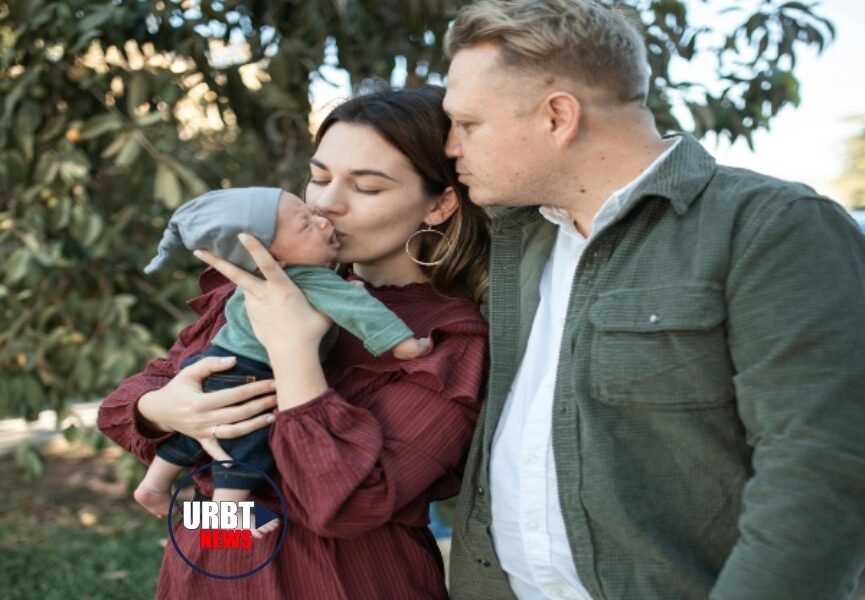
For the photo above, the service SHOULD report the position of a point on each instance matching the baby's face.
(303, 236)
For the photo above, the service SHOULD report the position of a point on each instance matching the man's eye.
(314, 181)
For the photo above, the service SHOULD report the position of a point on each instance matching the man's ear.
(443, 207)
(562, 112)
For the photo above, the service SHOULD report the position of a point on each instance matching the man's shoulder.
(743, 188)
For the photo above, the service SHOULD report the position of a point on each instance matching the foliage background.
(113, 113)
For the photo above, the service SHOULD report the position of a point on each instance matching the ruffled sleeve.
(349, 467)
(118, 417)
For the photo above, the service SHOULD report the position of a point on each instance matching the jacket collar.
(681, 177)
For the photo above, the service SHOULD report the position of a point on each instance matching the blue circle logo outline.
(282, 505)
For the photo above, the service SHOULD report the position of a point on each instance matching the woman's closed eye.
(365, 190)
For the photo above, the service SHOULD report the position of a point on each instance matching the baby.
(304, 243)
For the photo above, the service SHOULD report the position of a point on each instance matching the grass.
(75, 533)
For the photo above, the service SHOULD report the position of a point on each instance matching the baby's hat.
(213, 220)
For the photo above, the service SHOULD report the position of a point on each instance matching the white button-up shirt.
(528, 528)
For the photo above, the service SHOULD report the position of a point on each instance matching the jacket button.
(483, 562)
(480, 490)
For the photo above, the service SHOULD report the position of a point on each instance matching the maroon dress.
(357, 465)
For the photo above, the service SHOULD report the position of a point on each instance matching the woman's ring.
(213, 431)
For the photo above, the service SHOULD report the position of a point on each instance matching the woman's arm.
(119, 420)
(349, 467)
(147, 407)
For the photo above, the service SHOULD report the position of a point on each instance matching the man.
(676, 402)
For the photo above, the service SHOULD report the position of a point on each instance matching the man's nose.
(452, 146)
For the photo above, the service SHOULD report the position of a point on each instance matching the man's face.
(497, 135)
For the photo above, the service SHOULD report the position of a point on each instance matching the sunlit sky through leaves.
(806, 143)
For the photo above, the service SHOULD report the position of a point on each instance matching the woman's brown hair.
(414, 122)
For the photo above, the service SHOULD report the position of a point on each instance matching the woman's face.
(370, 192)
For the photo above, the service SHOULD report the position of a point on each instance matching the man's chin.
(487, 201)
(480, 199)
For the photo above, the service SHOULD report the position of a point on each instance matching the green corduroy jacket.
(709, 410)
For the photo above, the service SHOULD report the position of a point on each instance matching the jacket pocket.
(661, 347)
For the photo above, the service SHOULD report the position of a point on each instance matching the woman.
(361, 444)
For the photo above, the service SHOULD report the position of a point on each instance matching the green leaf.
(73, 171)
(85, 375)
(16, 266)
(148, 119)
(92, 231)
(118, 144)
(94, 20)
(71, 433)
(13, 169)
(129, 154)
(29, 459)
(100, 125)
(26, 123)
(193, 182)
(166, 187)
(84, 41)
(54, 127)
(138, 92)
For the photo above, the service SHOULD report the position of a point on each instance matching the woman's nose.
(328, 201)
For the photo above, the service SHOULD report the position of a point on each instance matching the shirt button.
(480, 490)
(530, 459)
(653, 318)
(533, 525)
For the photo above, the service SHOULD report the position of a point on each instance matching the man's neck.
(605, 167)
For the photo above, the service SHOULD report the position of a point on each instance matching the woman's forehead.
(349, 146)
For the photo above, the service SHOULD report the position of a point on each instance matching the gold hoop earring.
(428, 229)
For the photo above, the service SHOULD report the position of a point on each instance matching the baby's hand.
(412, 348)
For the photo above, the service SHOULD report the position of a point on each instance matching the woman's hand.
(182, 406)
(284, 322)
(278, 311)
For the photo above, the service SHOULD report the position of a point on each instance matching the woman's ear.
(443, 207)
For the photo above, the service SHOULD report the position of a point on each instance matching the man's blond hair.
(579, 39)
